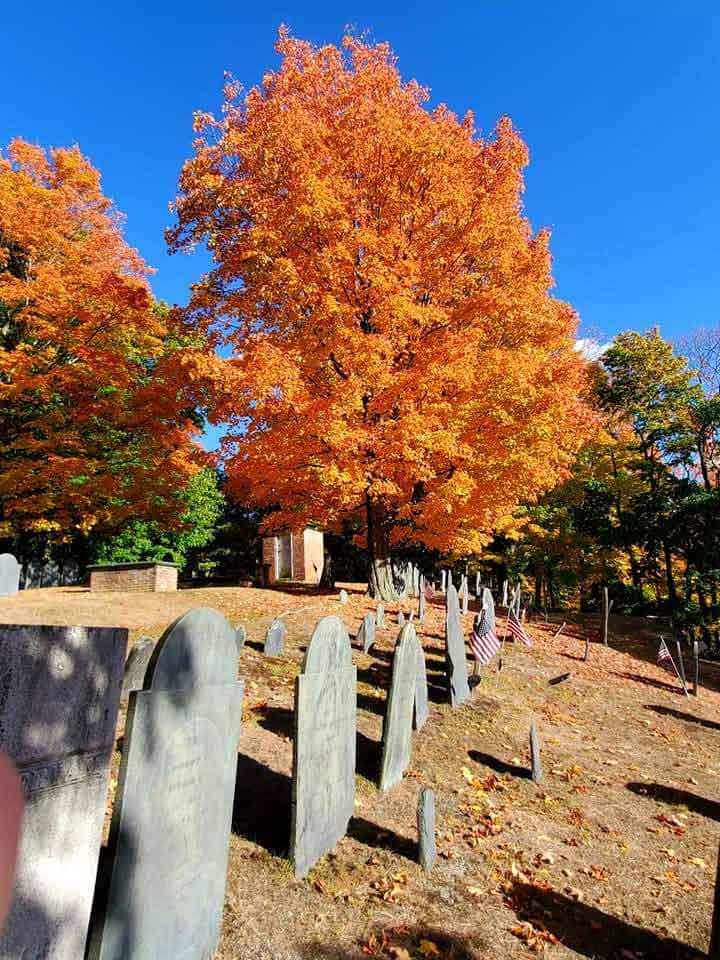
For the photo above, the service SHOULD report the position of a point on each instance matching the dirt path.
(612, 856)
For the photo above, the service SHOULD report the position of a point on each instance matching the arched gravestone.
(323, 781)
(240, 637)
(275, 639)
(366, 633)
(9, 575)
(400, 619)
(170, 830)
(488, 605)
(59, 696)
(455, 659)
(421, 608)
(398, 720)
(380, 616)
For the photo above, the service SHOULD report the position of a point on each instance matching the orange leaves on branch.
(387, 304)
(94, 401)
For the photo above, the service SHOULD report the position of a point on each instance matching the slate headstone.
(464, 594)
(343, 597)
(455, 658)
(323, 780)
(426, 829)
(59, 697)
(400, 619)
(240, 636)
(366, 634)
(136, 665)
(535, 762)
(421, 607)
(274, 639)
(170, 830)
(9, 575)
(443, 581)
(398, 720)
(380, 617)
(477, 583)
(488, 605)
(422, 709)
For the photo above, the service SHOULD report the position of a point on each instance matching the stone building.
(294, 557)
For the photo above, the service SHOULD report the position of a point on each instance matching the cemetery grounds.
(612, 855)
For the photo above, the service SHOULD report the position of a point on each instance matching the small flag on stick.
(517, 629)
(483, 641)
(663, 652)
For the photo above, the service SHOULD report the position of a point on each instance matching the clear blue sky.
(619, 103)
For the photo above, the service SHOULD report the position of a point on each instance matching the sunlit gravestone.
(59, 697)
(9, 575)
(422, 709)
(323, 781)
(366, 633)
(170, 830)
(397, 725)
(455, 658)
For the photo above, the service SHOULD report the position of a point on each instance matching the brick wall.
(134, 578)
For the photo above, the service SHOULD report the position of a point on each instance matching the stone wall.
(133, 578)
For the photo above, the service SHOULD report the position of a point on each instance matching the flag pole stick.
(682, 667)
(677, 672)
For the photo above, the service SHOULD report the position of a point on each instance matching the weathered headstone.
(274, 639)
(455, 658)
(443, 581)
(505, 593)
(323, 782)
(366, 634)
(170, 830)
(9, 575)
(398, 720)
(380, 616)
(136, 665)
(400, 619)
(421, 607)
(477, 583)
(535, 762)
(343, 597)
(422, 709)
(464, 594)
(240, 636)
(59, 696)
(426, 829)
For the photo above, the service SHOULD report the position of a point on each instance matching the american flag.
(483, 642)
(516, 629)
(663, 652)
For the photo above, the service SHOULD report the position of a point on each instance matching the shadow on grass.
(405, 938)
(590, 932)
(278, 720)
(681, 715)
(651, 682)
(499, 766)
(262, 805)
(371, 704)
(373, 835)
(675, 797)
(367, 757)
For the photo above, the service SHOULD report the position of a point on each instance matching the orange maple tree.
(397, 353)
(95, 387)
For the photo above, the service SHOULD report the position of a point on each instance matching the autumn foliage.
(94, 386)
(397, 353)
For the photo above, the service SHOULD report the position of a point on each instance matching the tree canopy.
(397, 352)
(97, 400)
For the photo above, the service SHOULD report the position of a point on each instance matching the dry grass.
(612, 856)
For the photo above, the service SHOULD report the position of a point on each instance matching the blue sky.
(619, 104)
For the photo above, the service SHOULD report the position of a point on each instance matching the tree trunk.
(381, 584)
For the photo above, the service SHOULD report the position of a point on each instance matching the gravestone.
(535, 762)
(477, 583)
(422, 709)
(59, 697)
(343, 597)
(464, 593)
(380, 617)
(400, 619)
(240, 637)
(443, 581)
(136, 665)
(366, 634)
(274, 639)
(170, 829)
(426, 829)
(488, 605)
(505, 593)
(9, 575)
(421, 607)
(398, 720)
(323, 781)
(455, 659)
